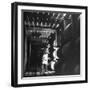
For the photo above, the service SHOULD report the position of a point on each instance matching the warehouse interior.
(51, 43)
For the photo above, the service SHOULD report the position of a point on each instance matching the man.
(45, 59)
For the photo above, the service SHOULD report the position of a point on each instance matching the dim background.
(5, 46)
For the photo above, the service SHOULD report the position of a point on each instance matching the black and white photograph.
(49, 44)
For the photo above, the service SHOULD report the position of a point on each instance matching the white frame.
(52, 78)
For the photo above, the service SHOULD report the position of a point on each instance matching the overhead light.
(68, 26)
(57, 25)
(58, 16)
(53, 14)
(37, 23)
(41, 23)
(53, 25)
